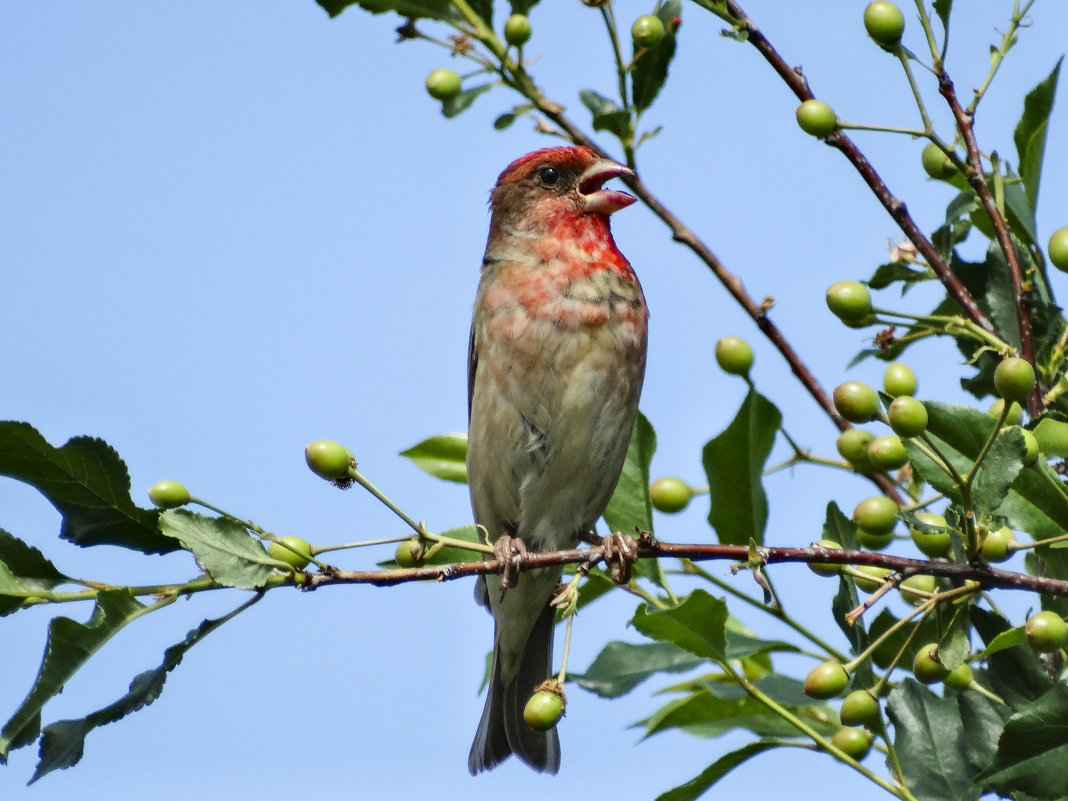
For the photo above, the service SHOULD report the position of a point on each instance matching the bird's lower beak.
(598, 199)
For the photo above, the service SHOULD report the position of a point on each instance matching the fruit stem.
(894, 129)
(567, 649)
(826, 745)
(621, 73)
(899, 51)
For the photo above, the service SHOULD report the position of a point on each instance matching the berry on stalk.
(908, 416)
(877, 514)
(517, 30)
(849, 301)
(647, 32)
(855, 743)
(734, 355)
(825, 568)
(936, 163)
(935, 544)
(856, 401)
(826, 680)
(1046, 632)
(887, 453)
(884, 22)
(168, 494)
(816, 118)
(859, 708)
(443, 84)
(1014, 379)
(327, 459)
(1058, 248)
(899, 380)
(670, 495)
(294, 551)
(544, 710)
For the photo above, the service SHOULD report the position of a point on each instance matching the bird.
(555, 370)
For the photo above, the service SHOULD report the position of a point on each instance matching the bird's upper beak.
(597, 199)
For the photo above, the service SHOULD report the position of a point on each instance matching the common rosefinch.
(556, 364)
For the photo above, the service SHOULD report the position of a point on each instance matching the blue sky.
(228, 229)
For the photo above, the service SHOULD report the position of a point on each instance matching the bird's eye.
(548, 176)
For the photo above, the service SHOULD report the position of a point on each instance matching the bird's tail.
(502, 730)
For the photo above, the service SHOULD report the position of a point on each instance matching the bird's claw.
(510, 553)
(620, 552)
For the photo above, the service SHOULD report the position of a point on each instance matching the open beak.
(598, 199)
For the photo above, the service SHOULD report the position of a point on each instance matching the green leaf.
(620, 667)
(484, 9)
(415, 9)
(982, 720)
(886, 274)
(88, 484)
(504, 121)
(28, 564)
(443, 456)
(607, 115)
(222, 546)
(629, 506)
(740, 646)
(1030, 134)
(457, 105)
(1000, 467)
(1006, 639)
(651, 68)
(942, 9)
(69, 646)
(930, 745)
(1032, 753)
(523, 6)
(716, 771)
(697, 625)
(1032, 503)
(734, 463)
(1019, 212)
(63, 742)
(704, 713)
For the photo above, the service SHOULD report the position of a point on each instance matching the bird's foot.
(620, 552)
(510, 553)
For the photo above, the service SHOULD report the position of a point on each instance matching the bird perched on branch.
(557, 358)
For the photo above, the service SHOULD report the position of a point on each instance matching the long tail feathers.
(502, 730)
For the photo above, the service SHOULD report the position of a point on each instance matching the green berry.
(936, 163)
(826, 680)
(859, 708)
(1046, 632)
(853, 445)
(932, 545)
(899, 380)
(168, 494)
(997, 545)
(1052, 437)
(874, 582)
(298, 553)
(517, 30)
(443, 84)
(647, 32)
(872, 541)
(670, 495)
(849, 301)
(327, 459)
(926, 666)
(1013, 418)
(960, 678)
(825, 568)
(887, 453)
(877, 514)
(410, 553)
(884, 22)
(734, 355)
(1058, 248)
(855, 743)
(1014, 379)
(911, 588)
(544, 710)
(908, 416)
(817, 118)
(856, 401)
